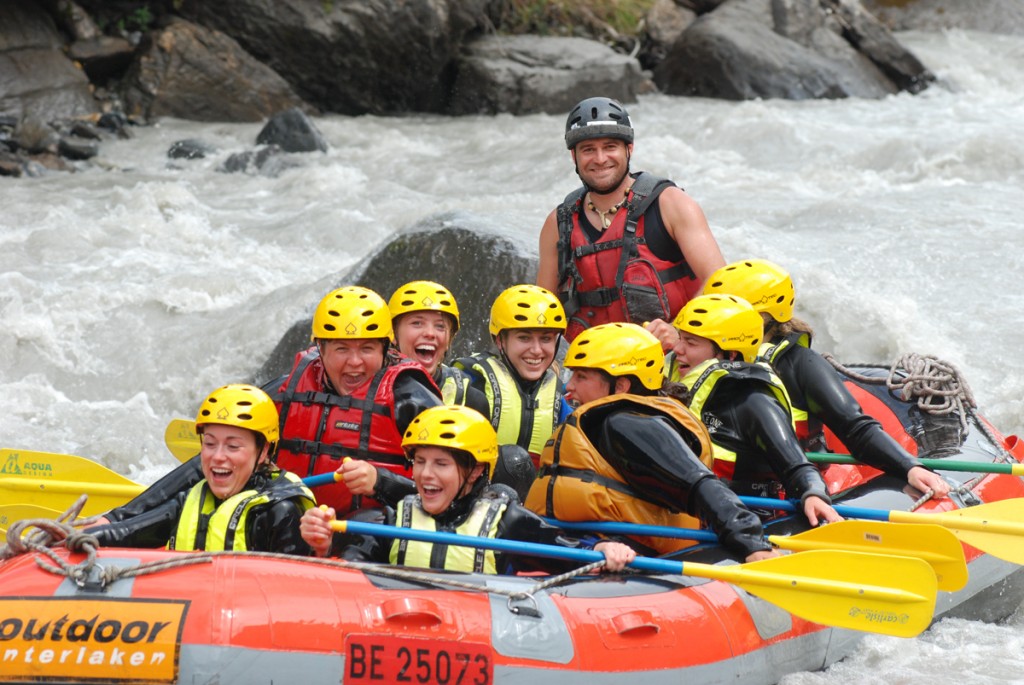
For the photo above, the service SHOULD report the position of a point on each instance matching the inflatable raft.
(153, 616)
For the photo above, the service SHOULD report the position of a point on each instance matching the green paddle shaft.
(936, 464)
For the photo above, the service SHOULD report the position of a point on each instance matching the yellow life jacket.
(701, 381)
(768, 353)
(575, 483)
(482, 521)
(519, 419)
(453, 383)
(206, 525)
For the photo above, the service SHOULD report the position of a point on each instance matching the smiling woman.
(243, 502)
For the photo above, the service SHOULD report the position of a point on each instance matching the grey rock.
(189, 148)
(664, 23)
(191, 72)
(439, 249)
(72, 147)
(292, 131)
(792, 49)
(266, 161)
(991, 16)
(529, 74)
(36, 77)
(353, 56)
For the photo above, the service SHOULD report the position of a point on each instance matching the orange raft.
(255, 618)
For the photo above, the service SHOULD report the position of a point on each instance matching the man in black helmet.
(624, 247)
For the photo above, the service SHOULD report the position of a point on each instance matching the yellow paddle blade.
(12, 513)
(934, 545)
(996, 528)
(181, 439)
(55, 481)
(867, 592)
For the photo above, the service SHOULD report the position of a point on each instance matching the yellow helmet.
(352, 312)
(620, 349)
(242, 405)
(419, 296)
(526, 306)
(454, 427)
(765, 285)
(726, 320)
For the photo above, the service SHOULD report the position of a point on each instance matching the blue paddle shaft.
(322, 479)
(793, 506)
(623, 528)
(499, 545)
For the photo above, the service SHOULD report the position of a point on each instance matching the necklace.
(608, 214)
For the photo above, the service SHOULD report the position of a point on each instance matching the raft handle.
(524, 609)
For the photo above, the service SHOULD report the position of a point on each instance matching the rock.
(664, 23)
(699, 6)
(386, 56)
(991, 16)
(83, 129)
(76, 22)
(73, 147)
(528, 74)
(115, 122)
(875, 42)
(10, 165)
(475, 266)
(191, 72)
(267, 161)
(33, 135)
(189, 148)
(102, 58)
(36, 77)
(790, 49)
(292, 131)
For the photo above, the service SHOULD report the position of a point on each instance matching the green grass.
(571, 17)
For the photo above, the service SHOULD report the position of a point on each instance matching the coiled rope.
(937, 387)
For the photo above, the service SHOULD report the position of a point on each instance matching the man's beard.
(608, 187)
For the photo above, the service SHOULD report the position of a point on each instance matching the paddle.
(934, 545)
(55, 481)
(992, 527)
(867, 592)
(181, 439)
(11, 513)
(936, 464)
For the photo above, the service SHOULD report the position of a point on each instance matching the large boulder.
(191, 72)
(36, 77)
(793, 49)
(528, 74)
(475, 266)
(352, 56)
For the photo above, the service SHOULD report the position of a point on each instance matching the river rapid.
(128, 292)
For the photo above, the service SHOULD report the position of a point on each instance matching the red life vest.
(320, 428)
(618, 278)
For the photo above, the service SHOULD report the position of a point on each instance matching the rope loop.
(937, 386)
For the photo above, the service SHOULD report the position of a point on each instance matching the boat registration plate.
(387, 659)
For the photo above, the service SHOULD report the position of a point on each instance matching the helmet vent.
(245, 417)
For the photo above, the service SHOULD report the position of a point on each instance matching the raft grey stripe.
(517, 635)
(120, 588)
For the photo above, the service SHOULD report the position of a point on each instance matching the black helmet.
(597, 118)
